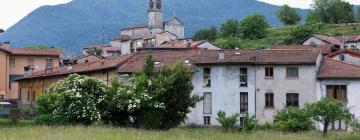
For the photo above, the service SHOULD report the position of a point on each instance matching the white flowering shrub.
(77, 101)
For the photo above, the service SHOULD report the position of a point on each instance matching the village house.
(346, 41)
(257, 81)
(18, 62)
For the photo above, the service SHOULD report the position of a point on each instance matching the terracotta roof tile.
(324, 48)
(79, 68)
(37, 52)
(347, 51)
(335, 69)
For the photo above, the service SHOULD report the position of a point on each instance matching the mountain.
(79, 23)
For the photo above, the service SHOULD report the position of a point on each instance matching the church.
(154, 33)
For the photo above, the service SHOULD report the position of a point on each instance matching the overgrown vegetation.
(249, 123)
(293, 119)
(227, 122)
(155, 99)
(329, 17)
(328, 110)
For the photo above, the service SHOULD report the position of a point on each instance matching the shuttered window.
(207, 103)
(269, 72)
(338, 92)
(244, 104)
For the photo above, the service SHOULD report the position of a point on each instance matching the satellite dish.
(342, 56)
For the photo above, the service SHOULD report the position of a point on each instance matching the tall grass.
(111, 133)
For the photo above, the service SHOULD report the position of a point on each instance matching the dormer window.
(187, 61)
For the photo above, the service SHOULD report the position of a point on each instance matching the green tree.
(95, 51)
(288, 15)
(358, 14)
(149, 68)
(161, 100)
(326, 111)
(312, 18)
(229, 29)
(334, 11)
(253, 27)
(37, 47)
(299, 33)
(206, 34)
(227, 122)
(228, 43)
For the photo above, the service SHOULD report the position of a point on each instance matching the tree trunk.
(326, 125)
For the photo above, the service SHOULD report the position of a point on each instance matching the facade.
(4, 71)
(257, 81)
(18, 62)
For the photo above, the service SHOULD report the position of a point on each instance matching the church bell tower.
(155, 14)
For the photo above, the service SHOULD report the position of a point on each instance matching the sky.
(11, 11)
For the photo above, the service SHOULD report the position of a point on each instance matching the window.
(269, 72)
(28, 96)
(207, 103)
(243, 77)
(30, 62)
(269, 100)
(49, 63)
(12, 63)
(292, 72)
(19, 94)
(207, 79)
(207, 120)
(33, 96)
(292, 100)
(338, 92)
(244, 105)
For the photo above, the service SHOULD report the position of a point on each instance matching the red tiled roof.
(111, 49)
(79, 68)
(347, 51)
(337, 40)
(211, 57)
(122, 38)
(335, 69)
(36, 52)
(324, 48)
(181, 44)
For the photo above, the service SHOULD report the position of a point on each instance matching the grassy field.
(27, 130)
(276, 36)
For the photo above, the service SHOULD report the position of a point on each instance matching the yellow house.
(17, 62)
(33, 85)
(4, 71)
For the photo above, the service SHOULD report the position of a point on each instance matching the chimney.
(221, 55)
(187, 43)
(258, 54)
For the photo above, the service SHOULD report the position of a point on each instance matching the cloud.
(11, 11)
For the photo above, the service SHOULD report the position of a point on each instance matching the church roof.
(135, 27)
(174, 18)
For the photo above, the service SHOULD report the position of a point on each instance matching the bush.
(26, 110)
(227, 123)
(45, 103)
(77, 100)
(355, 125)
(115, 107)
(249, 123)
(292, 119)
